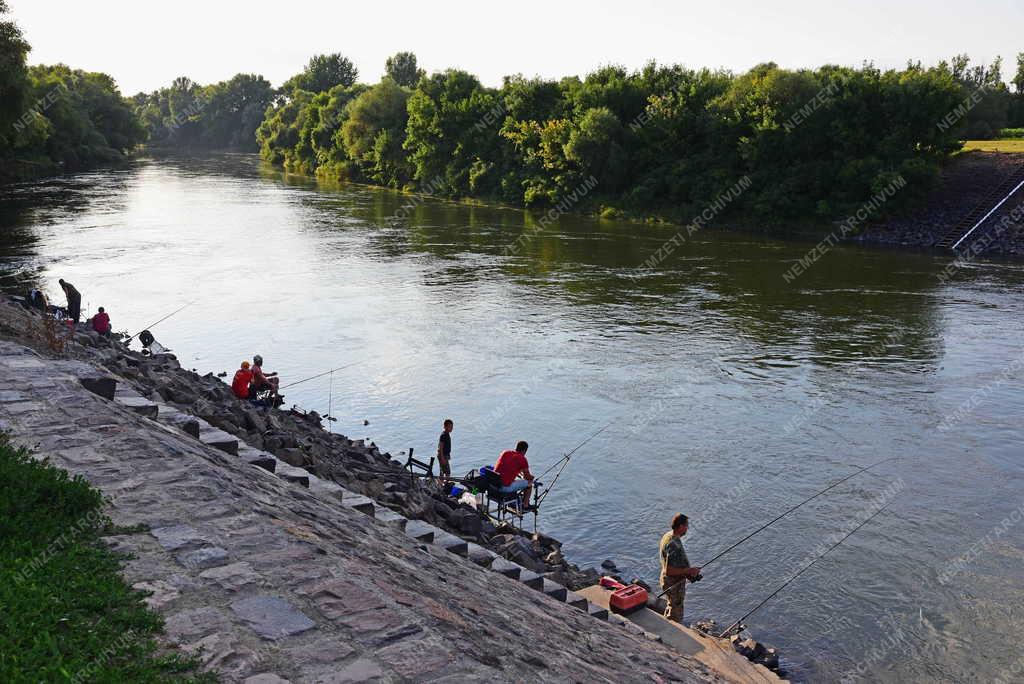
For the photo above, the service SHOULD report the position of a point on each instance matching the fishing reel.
(698, 578)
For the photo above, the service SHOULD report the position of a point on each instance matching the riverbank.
(963, 183)
(237, 557)
(962, 187)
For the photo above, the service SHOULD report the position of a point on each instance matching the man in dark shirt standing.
(675, 567)
(444, 450)
(74, 300)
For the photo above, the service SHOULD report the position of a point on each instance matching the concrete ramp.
(717, 654)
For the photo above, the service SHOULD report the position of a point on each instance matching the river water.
(732, 394)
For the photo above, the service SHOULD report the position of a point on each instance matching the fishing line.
(565, 461)
(805, 569)
(160, 321)
(320, 375)
(780, 517)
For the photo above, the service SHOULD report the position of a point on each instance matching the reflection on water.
(732, 393)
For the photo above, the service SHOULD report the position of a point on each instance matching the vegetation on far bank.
(665, 140)
(55, 118)
(67, 613)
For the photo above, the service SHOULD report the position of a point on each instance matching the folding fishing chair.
(507, 505)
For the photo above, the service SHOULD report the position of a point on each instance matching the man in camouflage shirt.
(675, 567)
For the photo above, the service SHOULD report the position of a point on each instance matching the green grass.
(1011, 133)
(1010, 145)
(67, 614)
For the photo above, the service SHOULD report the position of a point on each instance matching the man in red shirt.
(240, 383)
(511, 464)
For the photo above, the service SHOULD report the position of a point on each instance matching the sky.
(145, 45)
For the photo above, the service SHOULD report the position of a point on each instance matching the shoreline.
(296, 441)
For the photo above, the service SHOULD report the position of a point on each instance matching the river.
(732, 392)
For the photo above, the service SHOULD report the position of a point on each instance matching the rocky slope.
(272, 581)
(964, 182)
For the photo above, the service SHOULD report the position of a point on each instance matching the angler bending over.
(511, 464)
(675, 567)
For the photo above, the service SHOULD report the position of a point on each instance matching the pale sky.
(144, 45)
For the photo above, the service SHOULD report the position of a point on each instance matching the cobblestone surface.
(268, 581)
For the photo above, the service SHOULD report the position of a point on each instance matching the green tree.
(13, 76)
(375, 130)
(322, 73)
(401, 68)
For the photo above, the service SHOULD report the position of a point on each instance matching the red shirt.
(101, 322)
(240, 385)
(510, 464)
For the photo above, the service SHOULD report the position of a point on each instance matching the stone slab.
(450, 543)
(206, 557)
(220, 440)
(272, 617)
(554, 590)
(421, 531)
(176, 537)
(480, 555)
(390, 517)
(507, 568)
(143, 407)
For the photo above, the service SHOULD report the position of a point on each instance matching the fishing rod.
(783, 515)
(320, 375)
(565, 461)
(805, 568)
(161, 320)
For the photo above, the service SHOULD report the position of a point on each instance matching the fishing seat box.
(627, 599)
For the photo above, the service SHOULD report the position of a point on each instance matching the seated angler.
(263, 381)
(240, 383)
(511, 464)
(101, 322)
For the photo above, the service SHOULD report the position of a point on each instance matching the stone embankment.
(963, 185)
(271, 573)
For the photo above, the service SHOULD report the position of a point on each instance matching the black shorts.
(445, 464)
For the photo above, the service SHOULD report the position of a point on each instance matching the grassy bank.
(1005, 145)
(68, 615)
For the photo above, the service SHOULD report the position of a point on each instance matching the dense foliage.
(220, 116)
(57, 117)
(664, 139)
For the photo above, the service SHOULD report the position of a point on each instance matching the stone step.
(390, 517)
(218, 439)
(326, 488)
(507, 567)
(531, 579)
(139, 405)
(172, 417)
(103, 386)
(575, 600)
(481, 556)
(363, 504)
(421, 531)
(292, 474)
(597, 611)
(554, 590)
(451, 543)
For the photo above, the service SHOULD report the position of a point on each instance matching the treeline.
(57, 118)
(664, 139)
(222, 116)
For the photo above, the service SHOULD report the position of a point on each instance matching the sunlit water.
(732, 394)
